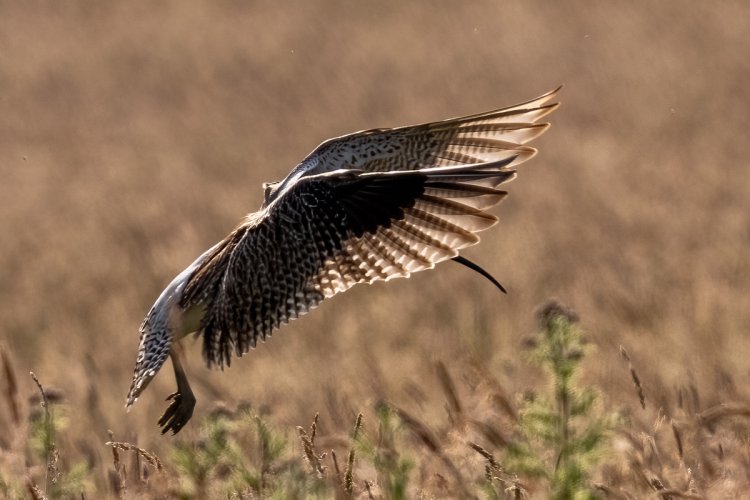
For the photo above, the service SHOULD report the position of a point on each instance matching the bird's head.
(270, 190)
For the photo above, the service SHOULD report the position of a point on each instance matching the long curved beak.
(475, 267)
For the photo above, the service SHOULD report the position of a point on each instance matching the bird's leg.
(180, 410)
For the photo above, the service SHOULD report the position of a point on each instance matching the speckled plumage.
(369, 206)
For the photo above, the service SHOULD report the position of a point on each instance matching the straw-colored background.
(135, 135)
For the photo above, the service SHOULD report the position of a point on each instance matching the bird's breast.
(189, 321)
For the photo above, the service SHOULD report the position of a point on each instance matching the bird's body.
(369, 206)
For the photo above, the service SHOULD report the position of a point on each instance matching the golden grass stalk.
(118, 478)
(490, 433)
(634, 376)
(51, 473)
(348, 475)
(11, 387)
(493, 470)
(427, 438)
(336, 465)
(308, 444)
(35, 492)
(677, 439)
(149, 457)
(487, 455)
(726, 410)
(449, 388)
(368, 488)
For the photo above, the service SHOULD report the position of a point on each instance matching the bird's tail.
(152, 353)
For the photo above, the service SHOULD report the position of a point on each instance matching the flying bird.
(369, 206)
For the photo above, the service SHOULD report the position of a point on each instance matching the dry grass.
(134, 136)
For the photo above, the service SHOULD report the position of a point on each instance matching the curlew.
(369, 206)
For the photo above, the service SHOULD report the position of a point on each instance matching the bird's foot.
(177, 414)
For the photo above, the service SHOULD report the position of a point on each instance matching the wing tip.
(554, 92)
(537, 103)
(524, 154)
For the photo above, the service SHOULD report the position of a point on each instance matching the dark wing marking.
(328, 232)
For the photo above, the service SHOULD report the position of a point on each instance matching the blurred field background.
(133, 135)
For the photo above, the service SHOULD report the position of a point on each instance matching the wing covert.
(468, 140)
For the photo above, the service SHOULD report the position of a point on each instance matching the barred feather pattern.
(328, 233)
(369, 206)
(467, 140)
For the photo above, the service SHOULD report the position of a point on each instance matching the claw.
(180, 410)
(177, 413)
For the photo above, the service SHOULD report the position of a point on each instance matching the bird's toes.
(177, 414)
(170, 412)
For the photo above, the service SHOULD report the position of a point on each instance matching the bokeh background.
(134, 135)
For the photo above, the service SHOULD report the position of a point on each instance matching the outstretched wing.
(329, 232)
(370, 206)
(469, 140)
